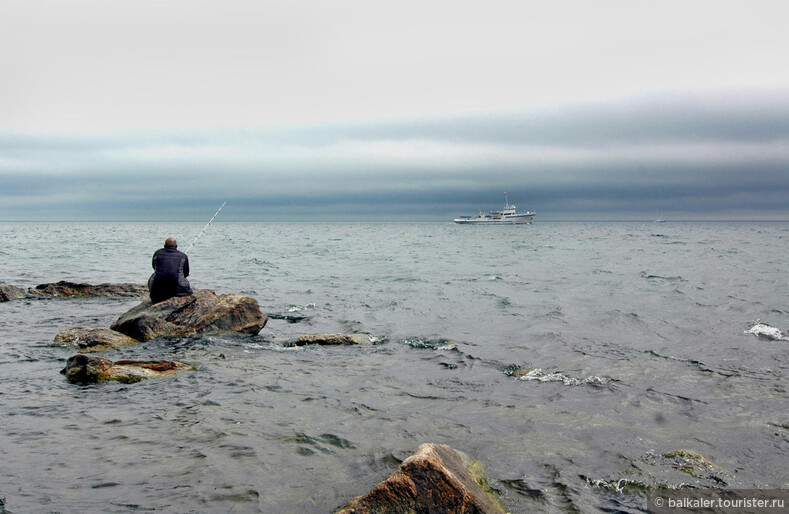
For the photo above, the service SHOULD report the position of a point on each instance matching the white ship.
(506, 216)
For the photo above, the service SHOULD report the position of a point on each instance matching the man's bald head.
(170, 243)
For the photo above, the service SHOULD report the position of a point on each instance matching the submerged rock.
(88, 369)
(334, 339)
(201, 313)
(289, 318)
(64, 288)
(694, 464)
(93, 339)
(437, 478)
(9, 292)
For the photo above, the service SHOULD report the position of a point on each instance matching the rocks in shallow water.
(93, 339)
(665, 471)
(9, 292)
(437, 478)
(334, 339)
(64, 288)
(694, 464)
(202, 313)
(71, 289)
(290, 318)
(88, 369)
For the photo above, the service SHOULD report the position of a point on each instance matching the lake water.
(568, 358)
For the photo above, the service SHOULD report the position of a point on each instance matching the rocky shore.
(65, 288)
(437, 478)
(205, 312)
(70, 289)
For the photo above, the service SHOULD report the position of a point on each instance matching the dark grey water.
(566, 357)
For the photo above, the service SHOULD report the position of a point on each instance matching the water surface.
(567, 357)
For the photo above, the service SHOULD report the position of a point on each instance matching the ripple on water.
(323, 443)
(315, 421)
(651, 276)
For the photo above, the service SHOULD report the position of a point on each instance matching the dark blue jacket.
(171, 267)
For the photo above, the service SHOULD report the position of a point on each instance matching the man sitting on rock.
(171, 267)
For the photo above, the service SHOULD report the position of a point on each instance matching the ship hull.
(519, 219)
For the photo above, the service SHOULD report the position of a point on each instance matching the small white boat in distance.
(506, 216)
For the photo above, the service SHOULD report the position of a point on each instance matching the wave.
(766, 331)
(539, 375)
(254, 261)
(431, 344)
(697, 364)
(299, 308)
(650, 276)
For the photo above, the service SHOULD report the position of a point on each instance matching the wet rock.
(9, 292)
(694, 464)
(334, 339)
(64, 288)
(93, 339)
(289, 318)
(202, 313)
(88, 369)
(437, 478)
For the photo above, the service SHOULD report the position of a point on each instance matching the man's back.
(170, 262)
(171, 267)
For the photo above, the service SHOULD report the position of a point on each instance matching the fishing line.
(206, 226)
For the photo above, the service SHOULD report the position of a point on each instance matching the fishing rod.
(206, 226)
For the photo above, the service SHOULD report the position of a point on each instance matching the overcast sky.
(354, 109)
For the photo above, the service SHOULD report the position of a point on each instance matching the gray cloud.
(710, 155)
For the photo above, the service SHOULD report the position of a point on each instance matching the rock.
(93, 339)
(289, 318)
(334, 339)
(694, 464)
(9, 292)
(437, 478)
(202, 313)
(64, 288)
(88, 369)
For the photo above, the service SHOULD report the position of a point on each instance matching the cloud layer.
(701, 155)
(350, 109)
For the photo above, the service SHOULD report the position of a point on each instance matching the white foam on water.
(540, 376)
(766, 331)
(299, 308)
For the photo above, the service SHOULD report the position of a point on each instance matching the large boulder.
(201, 313)
(437, 478)
(93, 339)
(85, 369)
(64, 288)
(9, 292)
